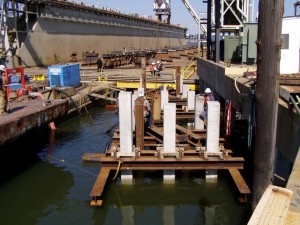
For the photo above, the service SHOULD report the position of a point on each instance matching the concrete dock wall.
(221, 80)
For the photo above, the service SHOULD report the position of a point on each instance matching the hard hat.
(2, 67)
(157, 61)
(207, 91)
(141, 95)
(153, 63)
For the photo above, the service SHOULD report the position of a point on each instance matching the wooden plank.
(188, 132)
(239, 181)
(100, 182)
(292, 218)
(272, 207)
(97, 96)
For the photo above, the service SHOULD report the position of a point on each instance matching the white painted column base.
(127, 177)
(169, 176)
(211, 175)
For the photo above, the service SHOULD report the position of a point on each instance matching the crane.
(195, 16)
(162, 7)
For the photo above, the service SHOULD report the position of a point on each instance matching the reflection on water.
(54, 187)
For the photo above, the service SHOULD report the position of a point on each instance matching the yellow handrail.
(184, 69)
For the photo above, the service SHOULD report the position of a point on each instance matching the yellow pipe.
(151, 85)
(119, 165)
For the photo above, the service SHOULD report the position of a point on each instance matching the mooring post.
(169, 135)
(212, 134)
(266, 94)
(199, 107)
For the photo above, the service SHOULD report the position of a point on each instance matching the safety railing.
(188, 71)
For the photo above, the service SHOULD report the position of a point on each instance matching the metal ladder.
(2, 29)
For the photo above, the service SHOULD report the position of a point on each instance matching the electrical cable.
(118, 169)
(69, 164)
(236, 87)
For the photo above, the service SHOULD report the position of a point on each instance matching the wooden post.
(178, 82)
(267, 94)
(139, 122)
(143, 68)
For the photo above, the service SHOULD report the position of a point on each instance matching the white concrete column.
(170, 127)
(199, 107)
(164, 98)
(213, 127)
(191, 100)
(125, 121)
(141, 91)
(169, 137)
(185, 89)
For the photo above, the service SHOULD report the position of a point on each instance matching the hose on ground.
(78, 110)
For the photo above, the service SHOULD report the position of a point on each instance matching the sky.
(179, 14)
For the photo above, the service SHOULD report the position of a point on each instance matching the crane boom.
(194, 15)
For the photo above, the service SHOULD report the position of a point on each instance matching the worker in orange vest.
(207, 97)
(3, 97)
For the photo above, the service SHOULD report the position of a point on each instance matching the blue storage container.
(64, 75)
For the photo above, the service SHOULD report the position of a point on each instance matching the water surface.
(52, 185)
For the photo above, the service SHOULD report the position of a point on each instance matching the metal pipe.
(295, 104)
(217, 31)
(250, 118)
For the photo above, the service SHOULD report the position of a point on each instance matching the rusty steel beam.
(176, 165)
(167, 163)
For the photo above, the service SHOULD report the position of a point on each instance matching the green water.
(53, 185)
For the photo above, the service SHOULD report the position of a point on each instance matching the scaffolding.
(297, 8)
